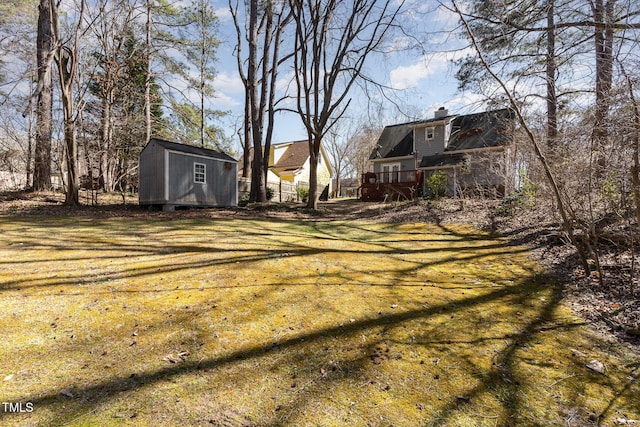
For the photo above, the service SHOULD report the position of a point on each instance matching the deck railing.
(407, 176)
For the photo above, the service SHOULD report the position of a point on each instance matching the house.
(473, 151)
(289, 168)
(172, 174)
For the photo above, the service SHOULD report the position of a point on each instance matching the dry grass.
(272, 322)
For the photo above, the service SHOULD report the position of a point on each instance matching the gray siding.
(405, 164)
(219, 188)
(430, 147)
(480, 175)
(167, 178)
(151, 179)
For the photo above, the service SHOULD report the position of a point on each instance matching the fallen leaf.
(596, 366)
(578, 353)
(66, 392)
(172, 359)
(8, 377)
(624, 421)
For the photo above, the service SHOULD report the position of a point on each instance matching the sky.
(423, 81)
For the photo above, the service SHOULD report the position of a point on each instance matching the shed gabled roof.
(190, 149)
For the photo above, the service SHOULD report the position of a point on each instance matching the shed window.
(428, 133)
(199, 173)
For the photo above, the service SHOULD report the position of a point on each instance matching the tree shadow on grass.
(503, 376)
(102, 248)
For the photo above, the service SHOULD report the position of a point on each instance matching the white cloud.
(223, 13)
(410, 76)
(228, 83)
(427, 66)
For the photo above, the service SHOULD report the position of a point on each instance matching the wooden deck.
(383, 186)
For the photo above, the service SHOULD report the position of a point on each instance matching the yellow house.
(289, 169)
(289, 161)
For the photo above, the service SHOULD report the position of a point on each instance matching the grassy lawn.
(271, 322)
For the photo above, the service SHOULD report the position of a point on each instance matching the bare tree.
(66, 57)
(110, 31)
(266, 23)
(337, 146)
(44, 44)
(333, 40)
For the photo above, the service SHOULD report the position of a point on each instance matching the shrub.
(270, 193)
(303, 193)
(436, 184)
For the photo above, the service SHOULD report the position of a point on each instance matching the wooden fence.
(283, 191)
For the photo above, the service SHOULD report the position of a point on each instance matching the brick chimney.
(440, 113)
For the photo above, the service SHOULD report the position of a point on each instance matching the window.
(199, 173)
(390, 173)
(428, 133)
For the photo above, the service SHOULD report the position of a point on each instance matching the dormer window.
(429, 133)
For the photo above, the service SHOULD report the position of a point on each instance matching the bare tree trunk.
(635, 132)
(266, 95)
(247, 140)
(42, 155)
(258, 185)
(29, 150)
(247, 143)
(603, 11)
(67, 61)
(147, 80)
(312, 203)
(329, 58)
(552, 99)
(106, 158)
(66, 67)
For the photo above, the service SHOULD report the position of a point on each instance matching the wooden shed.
(173, 174)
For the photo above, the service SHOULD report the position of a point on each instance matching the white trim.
(199, 156)
(433, 168)
(390, 175)
(433, 133)
(393, 159)
(432, 123)
(478, 150)
(166, 175)
(203, 173)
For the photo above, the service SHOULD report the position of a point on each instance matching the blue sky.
(423, 81)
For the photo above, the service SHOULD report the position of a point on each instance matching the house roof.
(441, 160)
(191, 149)
(481, 130)
(294, 157)
(395, 141)
(468, 132)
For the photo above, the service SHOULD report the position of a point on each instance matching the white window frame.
(429, 130)
(391, 172)
(199, 177)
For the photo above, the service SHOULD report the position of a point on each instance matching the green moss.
(292, 323)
